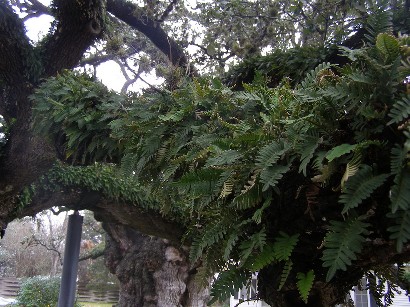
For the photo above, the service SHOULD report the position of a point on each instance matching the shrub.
(39, 291)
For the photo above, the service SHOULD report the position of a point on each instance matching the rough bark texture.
(152, 272)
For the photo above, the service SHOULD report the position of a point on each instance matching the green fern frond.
(203, 275)
(400, 192)
(401, 230)
(388, 46)
(351, 168)
(210, 236)
(224, 158)
(230, 244)
(339, 151)
(170, 170)
(128, 164)
(227, 283)
(269, 154)
(161, 152)
(257, 241)
(199, 182)
(234, 235)
(265, 257)
(318, 161)
(343, 241)
(326, 172)
(400, 110)
(407, 142)
(257, 216)
(306, 149)
(398, 158)
(270, 176)
(284, 246)
(305, 283)
(249, 199)
(360, 77)
(311, 77)
(287, 267)
(379, 21)
(359, 187)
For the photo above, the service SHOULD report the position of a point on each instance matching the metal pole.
(70, 264)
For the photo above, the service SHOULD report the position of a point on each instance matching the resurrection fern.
(227, 189)
(256, 242)
(263, 258)
(210, 236)
(339, 151)
(305, 283)
(398, 158)
(225, 157)
(342, 243)
(227, 283)
(401, 230)
(307, 148)
(378, 22)
(284, 245)
(249, 198)
(400, 110)
(241, 168)
(388, 46)
(279, 251)
(312, 78)
(400, 191)
(287, 267)
(270, 154)
(271, 175)
(359, 187)
(257, 216)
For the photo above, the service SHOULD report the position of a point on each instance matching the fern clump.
(301, 180)
(342, 244)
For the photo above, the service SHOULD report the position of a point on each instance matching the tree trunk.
(152, 271)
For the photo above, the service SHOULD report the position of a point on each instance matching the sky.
(109, 73)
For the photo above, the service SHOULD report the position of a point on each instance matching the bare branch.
(126, 12)
(129, 81)
(93, 254)
(51, 247)
(167, 11)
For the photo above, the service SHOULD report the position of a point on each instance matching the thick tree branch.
(14, 46)
(130, 14)
(27, 156)
(78, 27)
(105, 210)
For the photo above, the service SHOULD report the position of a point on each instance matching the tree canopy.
(294, 164)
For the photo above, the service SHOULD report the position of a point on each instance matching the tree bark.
(152, 271)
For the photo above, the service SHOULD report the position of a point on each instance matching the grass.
(87, 304)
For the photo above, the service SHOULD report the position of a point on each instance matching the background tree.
(21, 257)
